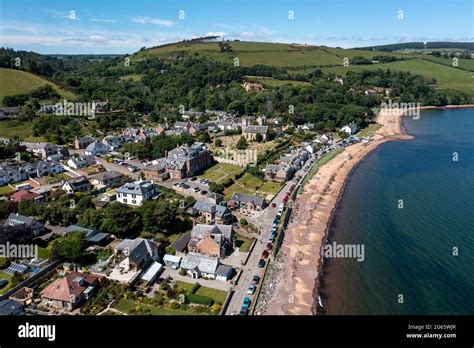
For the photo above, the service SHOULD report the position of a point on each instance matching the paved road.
(264, 222)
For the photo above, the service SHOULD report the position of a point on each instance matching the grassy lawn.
(91, 170)
(44, 253)
(220, 172)
(8, 277)
(56, 178)
(325, 159)
(217, 295)
(126, 305)
(5, 190)
(271, 187)
(244, 243)
(370, 130)
(229, 191)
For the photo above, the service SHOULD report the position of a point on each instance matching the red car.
(265, 254)
(273, 205)
(269, 246)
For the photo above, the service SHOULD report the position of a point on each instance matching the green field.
(15, 128)
(19, 82)
(271, 82)
(447, 77)
(220, 172)
(301, 59)
(132, 77)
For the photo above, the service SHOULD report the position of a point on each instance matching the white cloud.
(217, 33)
(150, 20)
(247, 34)
(97, 38)
(103, 20)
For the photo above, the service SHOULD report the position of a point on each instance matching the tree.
(241, 144)
(243, 221)
(91, 218)
(218, 142)
(215, 187)
(204, 137)
(72, 246)
(259, 138)
(120, 219)
(158, 215)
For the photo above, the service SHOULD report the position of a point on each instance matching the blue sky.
(123, 26)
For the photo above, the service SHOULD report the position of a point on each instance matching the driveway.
(210, 283)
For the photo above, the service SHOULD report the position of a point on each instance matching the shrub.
(4, 262)
(173, 305)
(199, 299)
(182, 272)
(243, 222)
(170, 250)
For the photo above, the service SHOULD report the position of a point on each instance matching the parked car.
(246, 303)
(261, 263)
(264, 254)
(196, 189)
(251, 289)
(243, 311)
(193, 179)
(256, 279)
(273, 205)
(271, 239)
(269, 246)
(204, 192)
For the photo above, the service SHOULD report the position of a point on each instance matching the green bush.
(182, 272)
(4, 262)
(170, 250)
(199, 299)
(173, 305)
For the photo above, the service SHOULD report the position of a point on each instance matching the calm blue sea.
(409, 251)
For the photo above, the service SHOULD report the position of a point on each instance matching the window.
(125, 200)
(134, 201)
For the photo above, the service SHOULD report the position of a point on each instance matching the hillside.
(20, 82)
(420, 45)
(302, 59)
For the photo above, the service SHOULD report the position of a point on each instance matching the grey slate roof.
(181, 243)
(203, 263)
(243, 198)
(200, 230)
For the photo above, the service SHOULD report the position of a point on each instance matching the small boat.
(320, 303)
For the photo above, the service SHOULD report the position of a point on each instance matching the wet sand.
(294, 293)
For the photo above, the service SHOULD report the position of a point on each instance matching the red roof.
(23, 195)
(69, 287)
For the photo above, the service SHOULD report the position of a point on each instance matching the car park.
(261, 263)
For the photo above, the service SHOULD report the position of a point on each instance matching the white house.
(351, 128)
(136, 193)
(79, 162)
(97, 148)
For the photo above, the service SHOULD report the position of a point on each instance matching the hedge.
(200, 299)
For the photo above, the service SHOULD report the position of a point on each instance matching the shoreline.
(308, 228)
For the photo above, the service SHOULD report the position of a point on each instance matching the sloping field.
(19, 82)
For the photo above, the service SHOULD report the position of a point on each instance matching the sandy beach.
(294, 292)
